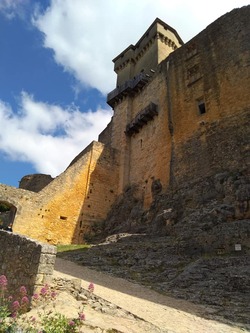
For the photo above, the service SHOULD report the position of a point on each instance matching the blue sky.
(56, 69)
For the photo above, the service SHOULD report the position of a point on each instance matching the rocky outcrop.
(193, 215)
(220, 281)
(35, 183)
(126, 213)
(192, 243)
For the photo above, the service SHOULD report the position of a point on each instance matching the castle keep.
(181, 116)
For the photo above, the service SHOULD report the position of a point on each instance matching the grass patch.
(72, 247)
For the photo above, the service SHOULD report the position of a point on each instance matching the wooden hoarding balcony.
(128, 88)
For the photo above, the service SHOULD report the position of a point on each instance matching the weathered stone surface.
(25, 262)
(74, 288)
(194, 215)
(64, 211)
(35, 182)
(219, 281)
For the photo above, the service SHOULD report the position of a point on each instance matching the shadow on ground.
(214, 287)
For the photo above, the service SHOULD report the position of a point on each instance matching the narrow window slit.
(201, 107)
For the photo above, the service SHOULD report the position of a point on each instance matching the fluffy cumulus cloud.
(47, 135)
(86, 35)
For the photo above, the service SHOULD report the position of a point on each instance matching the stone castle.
(178, 141)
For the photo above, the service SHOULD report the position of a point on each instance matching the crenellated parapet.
(154, 46)
(167, 41)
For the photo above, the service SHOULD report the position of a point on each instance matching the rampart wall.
(25, 262)
(80, 196)
(21, 202)
(213, 68)
(15, 197)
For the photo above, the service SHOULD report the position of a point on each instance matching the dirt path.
(166, 313)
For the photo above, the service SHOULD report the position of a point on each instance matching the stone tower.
(136, 109)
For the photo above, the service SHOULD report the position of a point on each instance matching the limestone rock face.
(174, 267)
(195, 213)
(35, 182)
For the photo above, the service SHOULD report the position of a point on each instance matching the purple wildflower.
(82, 316)
(35, 297)
(15, 306)
(91, 287)
(24, 300)
(71, 323)
(53, 294)
(3, 282)
(23, 291)
(43, 291)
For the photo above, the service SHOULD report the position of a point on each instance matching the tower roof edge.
(157, 20)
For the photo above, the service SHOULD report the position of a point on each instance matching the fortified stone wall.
(222, 147)
(80, 196)
(25, 262)
(15, 197)
(202, 127)
(150, 147)
(119, 140)
(100, 195)
(105, 136)
(208, 81)
(21, 203)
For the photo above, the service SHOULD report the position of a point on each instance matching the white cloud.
(12, 8)
(46, 135)
(86, 35)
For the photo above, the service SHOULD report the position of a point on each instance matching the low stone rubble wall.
(25, 262)
(81, 293)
